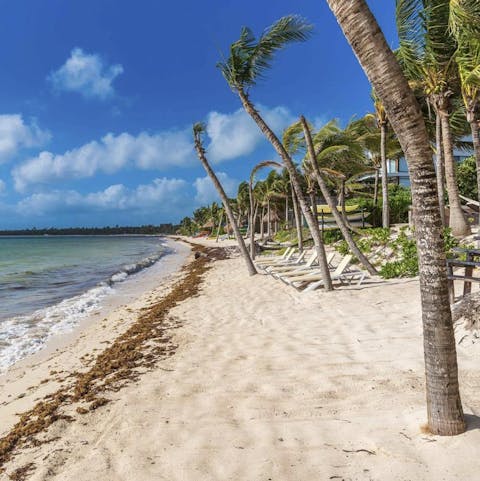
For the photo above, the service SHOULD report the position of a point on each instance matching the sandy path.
(272, 384)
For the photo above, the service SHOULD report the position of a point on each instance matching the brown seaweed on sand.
(138, 349)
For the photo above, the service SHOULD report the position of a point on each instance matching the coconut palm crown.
(250, 58)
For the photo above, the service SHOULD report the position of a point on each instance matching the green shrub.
(331, 236)
(399, 200)
(467, 178)
(407, 265)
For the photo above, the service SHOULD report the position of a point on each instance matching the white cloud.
(16, 134)
(236, 134)
(86, 74)
(2, 187)
(110, 154)
(231, 135)
(206, 192)
(163, 195)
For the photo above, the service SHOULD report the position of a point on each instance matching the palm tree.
(248, 61)
(445, 414)
(468, 61)
(242, 201)
(427, 53)
(281, 186)
(382, 122)
(289, 141)
(313, 154)
(259, 166)
(198, 130)
(366, 132)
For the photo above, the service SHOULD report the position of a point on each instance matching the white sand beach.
(267, 383)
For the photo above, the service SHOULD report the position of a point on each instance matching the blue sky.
(98, 98)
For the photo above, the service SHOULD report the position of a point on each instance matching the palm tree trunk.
(375, 188)
(296, 185)
(476, 150)
(440, 168)
(269, 222)
(457, 223)
(287, 223)
(219, 227)
(252, 221)
(228, 210)
(262, 224)
(383, 155)
(341, 199)
(444, 407)
(298, 221)
(342, 225)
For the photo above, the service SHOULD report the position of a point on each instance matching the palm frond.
(464, 17)
(249, 59)
(292, 138)
(262, 165)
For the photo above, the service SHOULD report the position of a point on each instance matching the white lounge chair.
(292, 271)
(315, 279)
(292, 264)
(268, 259)
(289, 260)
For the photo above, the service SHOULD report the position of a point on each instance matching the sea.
(49, 283)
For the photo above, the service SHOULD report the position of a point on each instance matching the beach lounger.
(282, 263)
(293, 270)
(315, 279)
(293, 264)
(267, 259)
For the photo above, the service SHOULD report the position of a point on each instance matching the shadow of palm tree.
(473, 421)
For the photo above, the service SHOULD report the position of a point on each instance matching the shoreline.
(19, 384)
(266, 382)
(144, 278)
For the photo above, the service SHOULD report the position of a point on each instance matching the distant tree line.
(117, 230)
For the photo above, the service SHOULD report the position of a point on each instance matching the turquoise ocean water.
(48, 283)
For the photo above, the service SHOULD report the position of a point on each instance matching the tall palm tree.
(468, 61)
(445, 414)
(242, 201)
(427, 54)
(198, 130)
(281, 186)
(365, 131)
(289, 141)
(382, 122)
(247, 63)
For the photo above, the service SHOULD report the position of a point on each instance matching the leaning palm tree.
(329, 142)
(313, 154)
(445, 414)
(198, 131)
(427, 54)
(248, 61)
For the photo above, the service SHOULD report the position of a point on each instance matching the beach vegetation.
(467, 178)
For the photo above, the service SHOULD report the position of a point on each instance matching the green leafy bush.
(406, 264)
(331, 236)
(399, 200)
(467, 178)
